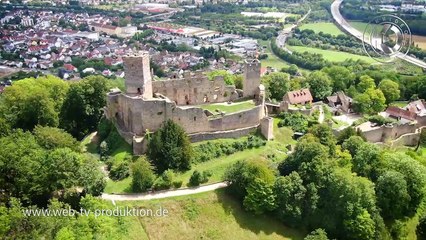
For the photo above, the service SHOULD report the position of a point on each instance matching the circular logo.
(386, 37)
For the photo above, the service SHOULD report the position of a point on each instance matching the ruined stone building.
(146, 104)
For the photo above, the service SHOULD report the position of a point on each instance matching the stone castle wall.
(137, 115)
(147, 104)
(388, 133)
(195, 90)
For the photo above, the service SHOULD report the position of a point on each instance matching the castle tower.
(138, 75)
(251, 77)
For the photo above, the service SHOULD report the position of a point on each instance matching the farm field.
(325, 27)
(333, 56)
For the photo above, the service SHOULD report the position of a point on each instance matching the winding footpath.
(335, 11)
(164, 194)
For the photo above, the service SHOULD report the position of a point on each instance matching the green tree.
(260, 197)
(91, 177)
(355, 215)
(242, 173)
(170, 148)
(360, 227)
(320, 85)
(341, 77)
(21, 173)
(367, 161)
(353, 144)
(310, 159)
(325, 135)
(390, 90)
(392, 195)
(51, 138)
(365, 82)
(370, 102)
(65, 233)
(227, 77)
(292, 69)
(61, 168)
(5, 128)
(142, 175)
(82, 108)
(30, 102)
(317, 234)
(290, 198)
(414, 174)
(277, 85)
(420, 230)
(346, 133)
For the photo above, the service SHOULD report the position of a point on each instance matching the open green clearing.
(272, 60)
(273, 150)
(325, 27)
(210, 215)
(332, 56)
(228, 108)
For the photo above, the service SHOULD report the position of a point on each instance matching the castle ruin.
(146, 104)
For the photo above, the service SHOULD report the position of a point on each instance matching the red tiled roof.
(400, 113)
(299, 96)
(69, 67)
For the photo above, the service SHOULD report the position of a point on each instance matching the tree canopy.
(169, 148)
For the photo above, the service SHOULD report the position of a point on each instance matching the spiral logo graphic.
(386, 37)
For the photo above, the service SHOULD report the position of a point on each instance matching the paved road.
(335, 11)
(163, 194)
(282, 37)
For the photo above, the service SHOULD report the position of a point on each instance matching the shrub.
(380, 120)
(177, 184)
(198, 178)
(103, 150)
(296, 121)
(206, 151)
(143, 175)
(104, 128)
(164, 181)
(113, 140)
(120, 171)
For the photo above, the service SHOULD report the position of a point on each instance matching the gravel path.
(164, 194)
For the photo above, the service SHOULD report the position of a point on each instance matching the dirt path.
(164, 194)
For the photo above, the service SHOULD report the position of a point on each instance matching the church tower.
(138, 78)
(251, 77)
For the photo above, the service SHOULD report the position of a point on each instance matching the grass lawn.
(229, 108)
(211, 215)
(90, 144)
(333, 56)
(400, 103)
(325, 27)
(122, 186)
(272, 60)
